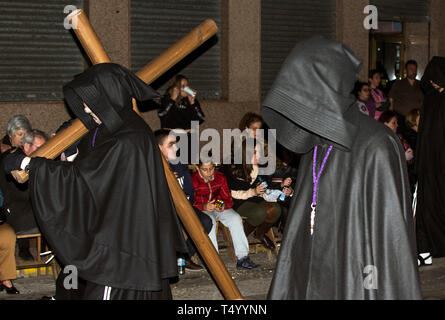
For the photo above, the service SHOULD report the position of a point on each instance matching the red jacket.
(216, 189)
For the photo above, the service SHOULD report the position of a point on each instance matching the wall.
(437, 26)
(241, 56)
(417, 45)
(350, 30)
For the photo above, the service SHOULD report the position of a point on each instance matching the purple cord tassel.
(94, 137)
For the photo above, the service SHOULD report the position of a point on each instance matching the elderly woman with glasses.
(17, 126)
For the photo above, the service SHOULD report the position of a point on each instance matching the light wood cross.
(153, 70)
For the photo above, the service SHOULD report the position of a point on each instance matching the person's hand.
(378, 105)
(286, 183)
(192, 98)
(220, 209)
(176, 174)
(210, 206)
(409, 154)
(436, 86)
(260, 189)
(174, 93)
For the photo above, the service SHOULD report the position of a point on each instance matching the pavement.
(199, 285)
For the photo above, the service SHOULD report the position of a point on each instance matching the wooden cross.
(51, 149)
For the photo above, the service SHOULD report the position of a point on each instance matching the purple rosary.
(94, 137)
(316, 178)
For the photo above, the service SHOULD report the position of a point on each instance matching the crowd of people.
(120, 150)
(401, 107)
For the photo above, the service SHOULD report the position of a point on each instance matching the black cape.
(16, 199)
(364, 219)
(430, 163)
(110, 212)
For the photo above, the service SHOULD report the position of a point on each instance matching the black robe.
(110, 212)
(16, 199)
(363, 245)
(430, 163)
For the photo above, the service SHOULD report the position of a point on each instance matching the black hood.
(107, 89)
(308, 101)
(434, 71)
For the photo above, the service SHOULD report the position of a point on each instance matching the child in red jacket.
(212, 196)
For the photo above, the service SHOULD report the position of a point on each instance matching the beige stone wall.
(417, 45)
(46, 116)
(111, 21)
(241, 50)
(350, 30)
(437, 27)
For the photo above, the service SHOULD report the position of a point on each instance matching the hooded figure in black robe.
(430, 163)
(110, 213)
(363, 244)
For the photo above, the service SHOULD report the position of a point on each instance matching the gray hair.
(30, 135)
(17, 122)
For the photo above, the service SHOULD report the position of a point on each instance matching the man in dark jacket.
(350, 232)
(167, 145)
(110, 213)
(20, 213)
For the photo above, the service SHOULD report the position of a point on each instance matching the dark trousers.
(206, 223)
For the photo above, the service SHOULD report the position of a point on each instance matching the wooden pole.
(149, 73)
(157, 67)
(88, 37)
(202, 241)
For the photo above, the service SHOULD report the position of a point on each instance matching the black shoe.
(266, 242)
(246, 263)
(12, 290)
(26, 255)
(190, 265)
(48, 298)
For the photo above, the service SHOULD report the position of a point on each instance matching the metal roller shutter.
(158, 24)
(403, 10)
(37, 54)
(286, 22)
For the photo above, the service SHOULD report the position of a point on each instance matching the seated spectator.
(412, 124)
(16, 128)
(410, 134)
(389, 119)
(248, 194)
(7, 254)
(21, 216)
(212, 196)
(167, 145)
(252, 122)
(381, 102)
(363, 101)
(284, 178)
